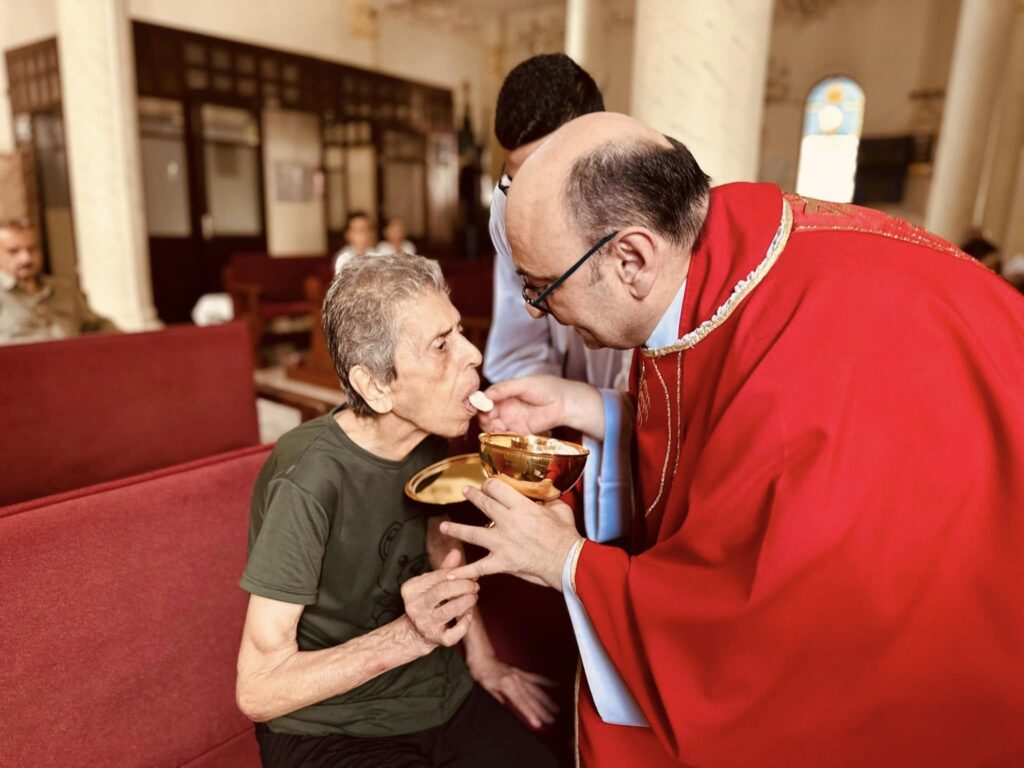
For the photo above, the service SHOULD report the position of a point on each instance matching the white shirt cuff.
(615, 704)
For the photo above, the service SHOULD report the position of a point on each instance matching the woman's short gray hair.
(361, 314)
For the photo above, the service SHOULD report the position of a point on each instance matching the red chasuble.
(828, 567)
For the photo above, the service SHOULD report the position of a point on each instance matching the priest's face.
(591, 299)
(435, 366)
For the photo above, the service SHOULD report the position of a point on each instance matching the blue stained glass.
(835, 107)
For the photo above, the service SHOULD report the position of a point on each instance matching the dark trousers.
(480, 733)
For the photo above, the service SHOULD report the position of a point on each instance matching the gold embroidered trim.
(668, 449)
(574, 559)
(740, 291)
(931, 244)
(679, 414)
(643, 397)
(576, 710)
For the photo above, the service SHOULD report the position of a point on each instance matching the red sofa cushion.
(82, 411)
(120, 617)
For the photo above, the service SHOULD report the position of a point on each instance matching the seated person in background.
(394, 238)
(34, 306)
(358, 239)
(346, 654)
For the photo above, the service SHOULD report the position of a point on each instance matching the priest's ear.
(636, 263)
(378, 397)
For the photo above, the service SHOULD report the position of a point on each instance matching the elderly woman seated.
(347, 653)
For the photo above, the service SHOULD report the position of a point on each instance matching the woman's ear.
(376, 396)
(635, 261)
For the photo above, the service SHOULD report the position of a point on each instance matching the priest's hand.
(526, 539)
(535, 404)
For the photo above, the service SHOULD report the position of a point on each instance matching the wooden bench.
(264, 288)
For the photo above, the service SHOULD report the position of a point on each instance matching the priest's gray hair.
(638, 183)
(361, 314)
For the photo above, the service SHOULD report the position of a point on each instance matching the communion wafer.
(481, 402)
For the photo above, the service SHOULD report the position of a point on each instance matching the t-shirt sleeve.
(285, 559)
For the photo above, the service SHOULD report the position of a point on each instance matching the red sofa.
(120, 617)
(120, 611)
(82, 411)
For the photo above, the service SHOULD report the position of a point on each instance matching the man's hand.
(535, 404)
(527, 539)
(432, 601)
(512, 686)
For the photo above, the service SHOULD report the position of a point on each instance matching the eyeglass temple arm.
(535, 303)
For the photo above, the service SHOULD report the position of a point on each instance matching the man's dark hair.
(540, 95)
(640, 183)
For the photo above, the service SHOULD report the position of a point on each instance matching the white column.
(979, 58)
(584, 34)
(1008, 139)
(1012, 243)
(97, 70)
(699, 72)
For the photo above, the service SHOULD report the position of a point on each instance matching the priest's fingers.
(470, 534)
(503, 493)
(511, 388)
(483, 567)
(484, 501)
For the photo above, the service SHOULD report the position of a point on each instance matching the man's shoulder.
(305, 456)
(60, 283)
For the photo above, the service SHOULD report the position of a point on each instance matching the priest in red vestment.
(826, 564)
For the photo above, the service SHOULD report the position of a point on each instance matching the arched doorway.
(833, 117)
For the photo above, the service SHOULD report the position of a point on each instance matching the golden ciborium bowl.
(540, 468)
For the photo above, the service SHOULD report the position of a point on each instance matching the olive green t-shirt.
(330, 528)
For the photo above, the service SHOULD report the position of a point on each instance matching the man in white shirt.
(358, 239)
(538, 96)
(395, 240)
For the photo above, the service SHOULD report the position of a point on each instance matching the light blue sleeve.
(607, 480)
(615, 704)
(518, 344)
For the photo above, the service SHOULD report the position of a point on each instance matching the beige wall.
(291, 144)
(889, 48)
(324, 28)
(321, 28)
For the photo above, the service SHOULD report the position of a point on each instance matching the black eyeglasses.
(504, 181)
(535, 296)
